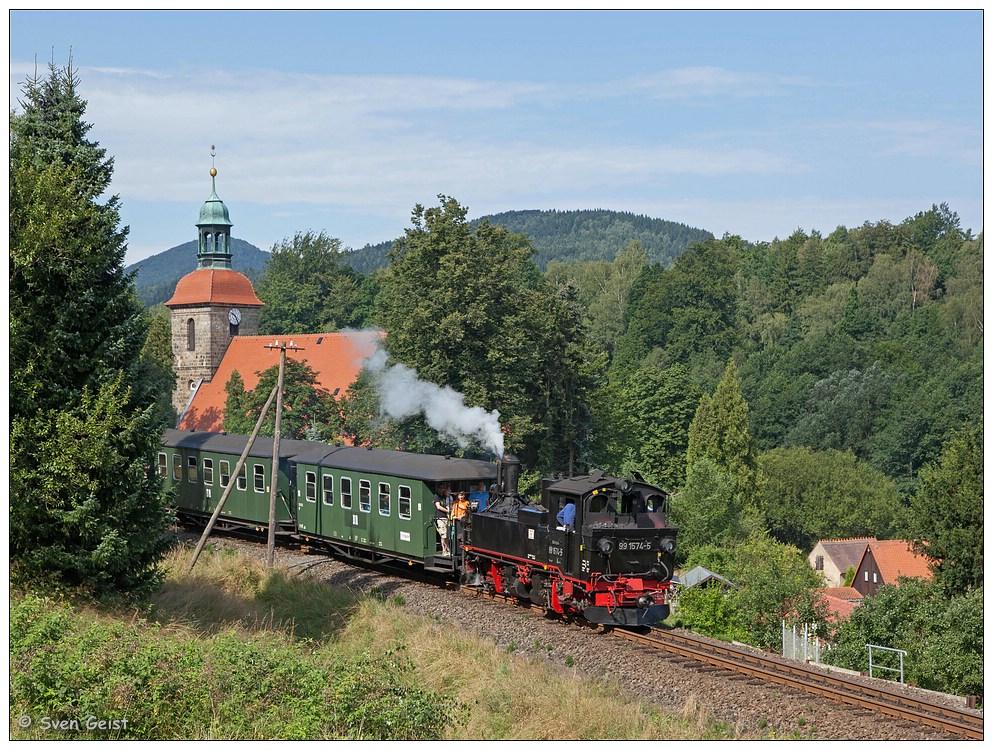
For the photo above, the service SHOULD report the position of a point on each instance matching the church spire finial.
(215, 227)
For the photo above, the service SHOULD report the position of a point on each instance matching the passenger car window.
(346, 492)
(384, 499)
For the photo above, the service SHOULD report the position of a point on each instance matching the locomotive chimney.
(509, 474)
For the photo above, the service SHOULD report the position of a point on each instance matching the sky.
(755, 123)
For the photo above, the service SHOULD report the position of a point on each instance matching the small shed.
(700, 576)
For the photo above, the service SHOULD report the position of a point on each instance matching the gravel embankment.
(648, 676)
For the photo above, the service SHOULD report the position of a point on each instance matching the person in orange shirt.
(460, 514)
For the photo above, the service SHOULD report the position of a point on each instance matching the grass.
(234, 652)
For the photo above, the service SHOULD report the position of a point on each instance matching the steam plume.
(403, 394)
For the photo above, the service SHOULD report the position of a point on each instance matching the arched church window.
(191, 335)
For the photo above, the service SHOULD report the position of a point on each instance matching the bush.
(67, 666)
(772, 583)
(943, 636)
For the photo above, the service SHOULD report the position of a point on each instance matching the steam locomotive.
(613, 566)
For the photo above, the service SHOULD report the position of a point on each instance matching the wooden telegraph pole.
(277, 394)
(274, 476)
(232, 480)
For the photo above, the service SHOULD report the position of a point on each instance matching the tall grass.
(233, 651)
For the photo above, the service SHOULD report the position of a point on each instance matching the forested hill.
(594, 234)
(156, 277)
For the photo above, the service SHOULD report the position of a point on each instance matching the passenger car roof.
(368, 460)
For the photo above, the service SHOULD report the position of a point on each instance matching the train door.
(326, 503)
(562, 535)
(360, 508)
(408, 541)
(308, 517)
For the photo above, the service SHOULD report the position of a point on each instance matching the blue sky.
(753, 123)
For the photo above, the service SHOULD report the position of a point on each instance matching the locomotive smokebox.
(508, 475)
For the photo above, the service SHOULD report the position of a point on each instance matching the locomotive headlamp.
(605, 546)
(668, 545)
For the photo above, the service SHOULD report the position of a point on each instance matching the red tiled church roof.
(220, 286)
(336, 358)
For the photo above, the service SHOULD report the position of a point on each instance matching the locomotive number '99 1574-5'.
(612, 565)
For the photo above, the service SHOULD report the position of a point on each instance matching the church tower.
(210, 306)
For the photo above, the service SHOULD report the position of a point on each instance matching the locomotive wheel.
(538, 594)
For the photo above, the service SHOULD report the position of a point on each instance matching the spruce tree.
(720, 432)
(87, 509)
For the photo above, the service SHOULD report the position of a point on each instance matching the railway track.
(876, 699)
(746, 664)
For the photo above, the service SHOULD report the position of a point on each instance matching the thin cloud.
(364, 141)
(929, 138)
(710, 82)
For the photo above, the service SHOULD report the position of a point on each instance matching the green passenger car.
(377, 500)
(198, 467)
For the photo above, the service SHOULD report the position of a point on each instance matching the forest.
(817, 386)
(568, 236)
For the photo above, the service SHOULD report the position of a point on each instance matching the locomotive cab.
(620, 526)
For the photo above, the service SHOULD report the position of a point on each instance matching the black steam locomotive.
(612, 565)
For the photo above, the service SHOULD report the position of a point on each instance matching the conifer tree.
(946, 514)
(720, 432)
(88, 509)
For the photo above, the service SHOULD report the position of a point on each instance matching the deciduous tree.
(308, 288)
(809, 495)
(467, 308)
(309, 410)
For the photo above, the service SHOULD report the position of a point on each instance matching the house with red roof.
(885, 563)
(840, 601)
(833, 557)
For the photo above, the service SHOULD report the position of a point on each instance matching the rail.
(876, 698)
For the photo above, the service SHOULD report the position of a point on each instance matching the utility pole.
(232, 480)
(274, 476)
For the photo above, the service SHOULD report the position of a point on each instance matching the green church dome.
(214, 212)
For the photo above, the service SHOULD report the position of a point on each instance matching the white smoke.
(402, 394)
